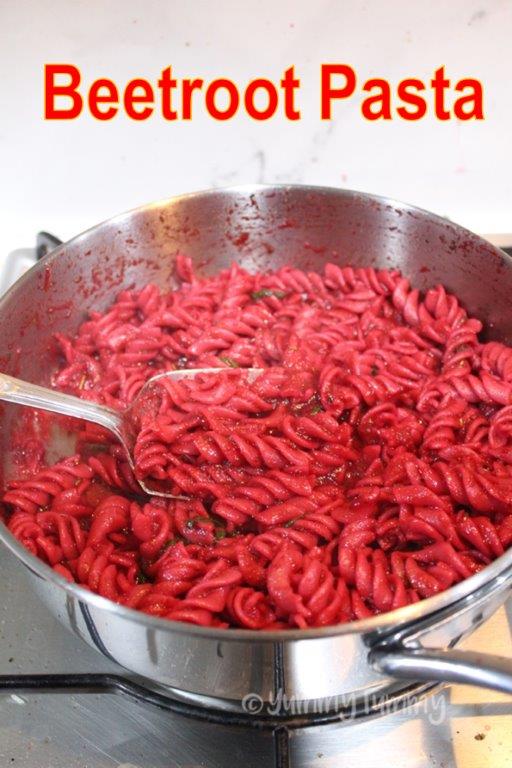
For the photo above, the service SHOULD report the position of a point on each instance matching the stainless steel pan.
(263, 227)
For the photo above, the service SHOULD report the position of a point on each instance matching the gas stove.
(64, 705)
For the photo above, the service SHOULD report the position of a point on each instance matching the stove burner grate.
(84, 683)
(279, 728)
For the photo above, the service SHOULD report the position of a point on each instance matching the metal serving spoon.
(122, 424)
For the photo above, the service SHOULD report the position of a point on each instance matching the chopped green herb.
(316, 409)
(266, 292)
(220, 533)
(199, 519)
(290, 522)
(170, 543)
(229, 361)
(141, 578)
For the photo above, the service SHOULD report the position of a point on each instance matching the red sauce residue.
(47, 280)
(242, 239)
(30, 436)
(315, 248)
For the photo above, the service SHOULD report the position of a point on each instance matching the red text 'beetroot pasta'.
(367, 467)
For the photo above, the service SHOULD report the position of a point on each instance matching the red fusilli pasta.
(368, 466)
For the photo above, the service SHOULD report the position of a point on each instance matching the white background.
(66, 176)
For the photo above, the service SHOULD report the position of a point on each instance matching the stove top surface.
(457, 726)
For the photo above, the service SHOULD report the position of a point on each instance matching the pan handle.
(45, 242)
(447, 666)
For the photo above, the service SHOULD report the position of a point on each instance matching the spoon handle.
(24, 393)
